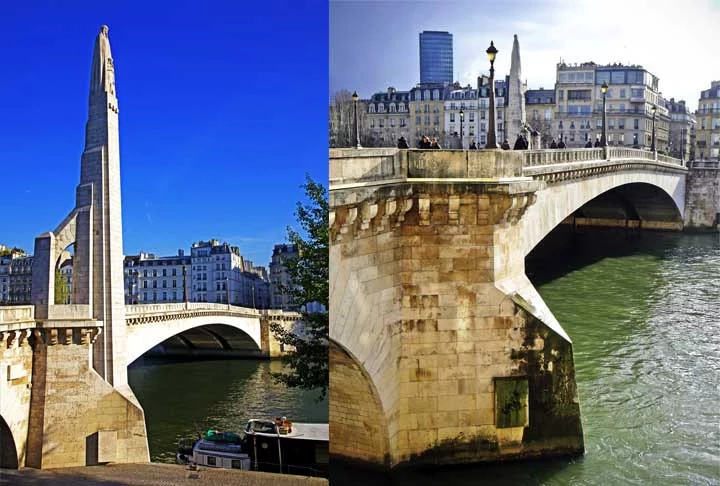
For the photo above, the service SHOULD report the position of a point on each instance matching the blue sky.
(222, 112)
(374, 43)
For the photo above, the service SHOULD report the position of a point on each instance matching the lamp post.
(355, 115)
(491, 53)
(603, 137)
(185, 296)
(652, 143)
(682, 142)
(227, 290)
(462, 117)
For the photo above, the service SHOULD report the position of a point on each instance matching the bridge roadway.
(442, 351)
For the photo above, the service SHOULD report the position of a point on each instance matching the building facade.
(539, 110)
(15, 278)
(388, 118)
(632, 93)
(280, 276)
(682, 125)
(466, 101)
(427, 111)
(213, 272)
(707, 134)
(436, 57)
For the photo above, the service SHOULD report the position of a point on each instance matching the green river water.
(644, 317)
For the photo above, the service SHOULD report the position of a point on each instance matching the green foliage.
(306, 364)
(62, 292)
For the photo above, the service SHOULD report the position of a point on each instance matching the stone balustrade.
(19, 314)
(368, 167)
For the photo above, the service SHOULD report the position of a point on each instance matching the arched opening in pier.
(359, 428)
(64, 276)
(8, 452)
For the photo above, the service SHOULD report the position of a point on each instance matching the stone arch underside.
(363, 328)
(358, 430)
(206, 335)
(651, 196)
(8, 451)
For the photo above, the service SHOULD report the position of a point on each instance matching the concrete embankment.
(152, 474)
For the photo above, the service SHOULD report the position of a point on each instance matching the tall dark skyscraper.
(436, 57)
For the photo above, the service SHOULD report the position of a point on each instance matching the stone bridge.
(201, 328)
(204, 328)
(442, 351)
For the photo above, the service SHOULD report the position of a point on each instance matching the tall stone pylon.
(515, 112)
(82, 411)
(94, 227)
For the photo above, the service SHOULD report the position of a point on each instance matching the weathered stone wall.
(15, 386)
(76, 417)
(415, 298)
(703, 199)
(358, 429)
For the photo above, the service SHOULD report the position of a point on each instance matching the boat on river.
(277, 446)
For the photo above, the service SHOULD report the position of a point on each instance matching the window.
(417, 120)
(602, 77)
(560, 125)
(482, 139)
(164, 296)
(436, 120)
(500, 115)
(164, 284)
(371, 108)
(144, 273)
(154, 284)
(482, 127)
(427, 119)
(472, 116)
(452, 117)
(535, 115)
(211, 461)
(402, 122)
(623, 92)
(599, 123)
(392, 108)
(426, 108)
(144, 284)
(145, 296)
(174, 295)
(636, 123)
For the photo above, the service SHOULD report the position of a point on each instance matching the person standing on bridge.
(505, 145)
(424, 142)
(435, 144)
(588, 144)
(561, 145)
(597, 142)
(402, 143)
(553, 145)
(473, 145)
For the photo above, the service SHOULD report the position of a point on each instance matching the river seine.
(181, 399)
(644, 317)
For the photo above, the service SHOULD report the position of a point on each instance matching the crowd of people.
(521, 143)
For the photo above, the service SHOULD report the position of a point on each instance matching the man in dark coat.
(473, 146)
(553, 145)
(526, 145)
(505, 145)
(402, 143)
(561, 145)
(588, 144)
(597, 142)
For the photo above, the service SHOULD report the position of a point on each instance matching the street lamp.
(355, 114)
(462, 117)
(603, 137)
(491, 53)
(652, 144)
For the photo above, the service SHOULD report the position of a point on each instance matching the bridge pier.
(76, 417)
(433, 319)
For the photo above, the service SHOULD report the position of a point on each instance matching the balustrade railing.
(17, 314)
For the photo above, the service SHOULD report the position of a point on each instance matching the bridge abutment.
(429, 296)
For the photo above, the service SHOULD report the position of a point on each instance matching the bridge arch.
(657, 196)
(226, 332)
(356, 412)
(8, 451)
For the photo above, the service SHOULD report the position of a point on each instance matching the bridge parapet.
(20, 314)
